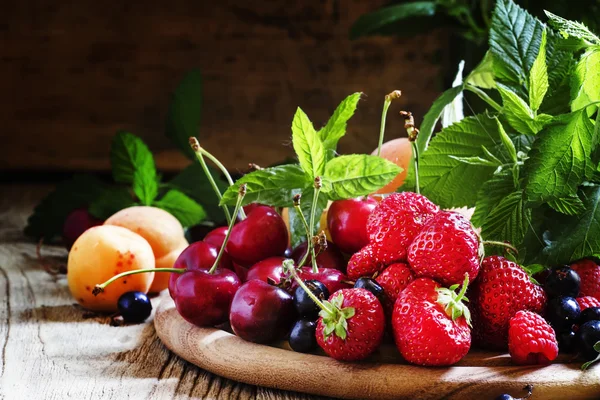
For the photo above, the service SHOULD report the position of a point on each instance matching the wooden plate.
(480, 375)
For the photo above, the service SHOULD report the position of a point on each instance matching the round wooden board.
(480, 375)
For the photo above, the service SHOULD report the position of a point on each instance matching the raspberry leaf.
(572, 28)
(571, 205)
(585, 81)
(492, 192)
(509, 220)
(335, 129)
(519, 115)
(538, 77)
(482, 75)
(308, 145)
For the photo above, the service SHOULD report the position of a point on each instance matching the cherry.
(270, 268)
(77, 222)
(261, 313)
(216, 237)
(347, 222)
(241, 271)
(333, 279)
(261, 235)
(248, 208)
(331, 257)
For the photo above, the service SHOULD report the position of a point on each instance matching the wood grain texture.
(75, 72)
(52, 349)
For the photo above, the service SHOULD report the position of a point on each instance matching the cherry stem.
(507, 246)
(301, 283)
(197, 150)
(303, 219)
(386, 105)
(317, 191)
(238, 206)
(413, 133)
(100, 288)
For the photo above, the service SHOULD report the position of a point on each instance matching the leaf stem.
(306, 227)
(313, 210)
(501, 244)
(100, 288)
(197, 150)
(484, 96)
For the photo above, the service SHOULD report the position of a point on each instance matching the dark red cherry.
(347, 223)
(261, 313)
(261, 235)
(333, 279)
(240, 271)
(248, 208)
(270, 268)
(77, 222)
(216, 237)
(331, 257)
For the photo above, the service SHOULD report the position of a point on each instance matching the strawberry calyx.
(453, 302)
(335, 318)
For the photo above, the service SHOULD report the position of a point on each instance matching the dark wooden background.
(74, 72)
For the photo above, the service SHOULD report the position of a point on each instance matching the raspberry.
(531, 340)
(587, 302)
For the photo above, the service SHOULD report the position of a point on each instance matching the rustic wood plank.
(51, 350)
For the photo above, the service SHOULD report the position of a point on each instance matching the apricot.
(161, 279)
(398, 151)
(99, 254)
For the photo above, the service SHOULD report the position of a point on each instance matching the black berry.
(562, 313)
(505, 396)
(305, 306)
(371, 285)
(589, 335)
(589, 314)
(302, 336)
(134, 307)
(563, 281)
(567, 341)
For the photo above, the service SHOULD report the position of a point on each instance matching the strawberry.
(531, 340)
(589, 273)
(587, 302)
(431, 323)
(445, 249)
(393, 280)
(394, 223)
(351, 326)
(501, 289)
(363, 263)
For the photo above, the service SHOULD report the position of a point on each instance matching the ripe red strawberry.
(501, 289)
(393, 280)
(531, 340)
(352, 327)
(394, 223)
(363, 263)
(589, 273)
(446, 249)
(587, 302)
(431, 323)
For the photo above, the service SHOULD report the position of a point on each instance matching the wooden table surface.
(53, 349)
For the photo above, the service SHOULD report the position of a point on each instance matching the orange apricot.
(398, 151)
(99, 254)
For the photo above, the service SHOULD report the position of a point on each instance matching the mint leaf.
(110, 201)
(49, 215)
(186, 210)
(308, 145)
(518, 113)
(572, 28)
(297, 230)
(335, 129)
(183, 117)
(515, 38)
(538, 77)
(509, 220)
(483, 74)
(585, 81)
(448, 181)
(271, 186)
(571, 205)
(573, 237)
(357, 175)
(128, 153)
(491, 193)
(145, 185)
(373, 22)
(559, 160)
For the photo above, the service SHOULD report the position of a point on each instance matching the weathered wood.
(50, 350)
(73, 74)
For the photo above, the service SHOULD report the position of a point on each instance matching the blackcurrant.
(562, 313)
(589, 314)
(134, 307)
(305, 306)
(567, 341)
(371, 285)
(505, 396)
(563, 281)
(302, 336)
(588, 335)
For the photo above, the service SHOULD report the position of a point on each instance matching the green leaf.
(559, 160)
(572, 28)
(110, 201)
(270, 186)
(357, 175)
(49, 215)
(449, 182)
(371, 23)
(507, 142)
(508, 221)
(297, 230)
(571, 238)
(308, 145)
(145, 185)
(518, 113)
(534, 269)
(128, 154)
(185, 209)
(515, 38)
(538, 77)
(483, 74)
(478, 161)
(571, 205)
(335, 129)
(585, 81)
(193, 182)
(185, 111)
(492, 192)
